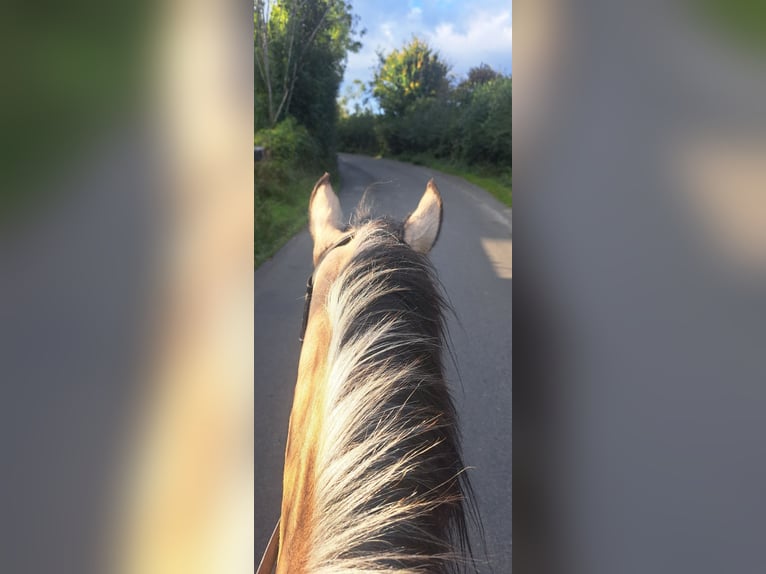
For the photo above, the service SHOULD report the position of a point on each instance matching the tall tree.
(294, 41)
(482, 74)
(413, 72)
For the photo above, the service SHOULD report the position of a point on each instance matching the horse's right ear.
(325, 216)
(421, 230)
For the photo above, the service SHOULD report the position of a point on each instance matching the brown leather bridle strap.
(269, 558)
(310, 283)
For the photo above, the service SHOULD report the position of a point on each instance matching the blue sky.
(466, 33)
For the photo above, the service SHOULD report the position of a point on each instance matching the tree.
(300, 52)
(357, 95)
(477, 76)
(481, 74)
(415, 71)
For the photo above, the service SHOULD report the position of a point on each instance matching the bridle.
(269, 558)
(310, 281)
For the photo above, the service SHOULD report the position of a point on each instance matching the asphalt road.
(473, 257)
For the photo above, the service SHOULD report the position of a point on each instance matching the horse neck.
(405, 494)
(305, 428)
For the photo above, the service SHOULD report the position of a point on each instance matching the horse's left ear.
(325, 216)
(421, 229)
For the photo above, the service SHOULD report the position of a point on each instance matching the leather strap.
(269, 558)
(310, 283)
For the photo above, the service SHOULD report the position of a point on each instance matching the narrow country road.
(474, 261)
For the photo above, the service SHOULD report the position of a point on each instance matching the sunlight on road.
(500, 254)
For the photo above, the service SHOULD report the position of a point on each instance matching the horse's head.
(334, 241)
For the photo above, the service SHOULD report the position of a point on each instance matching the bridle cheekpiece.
(310, 282)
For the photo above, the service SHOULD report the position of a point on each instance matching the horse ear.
(325, 215)
(422, 227)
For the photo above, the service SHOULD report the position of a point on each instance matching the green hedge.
(283, 184)
(471, 125)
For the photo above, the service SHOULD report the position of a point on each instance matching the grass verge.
(282, 196)
(497, 181)
(277, 219)
(281, 208)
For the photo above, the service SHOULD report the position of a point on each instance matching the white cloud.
(387, 29)
(487, 38)
(414, 14)
(484, 36)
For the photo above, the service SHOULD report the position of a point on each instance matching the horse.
(373, 475)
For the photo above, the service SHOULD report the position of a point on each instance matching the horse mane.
(391, 492)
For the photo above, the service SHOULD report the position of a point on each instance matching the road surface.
(474, 262)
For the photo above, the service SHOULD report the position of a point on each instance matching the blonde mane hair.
(391, 493)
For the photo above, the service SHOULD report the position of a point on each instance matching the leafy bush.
(288, 142)
(357, 134)
(471, 125)
(283, 184)
(290, 149)
(497, 126)
(482, 129)
(426, 125)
